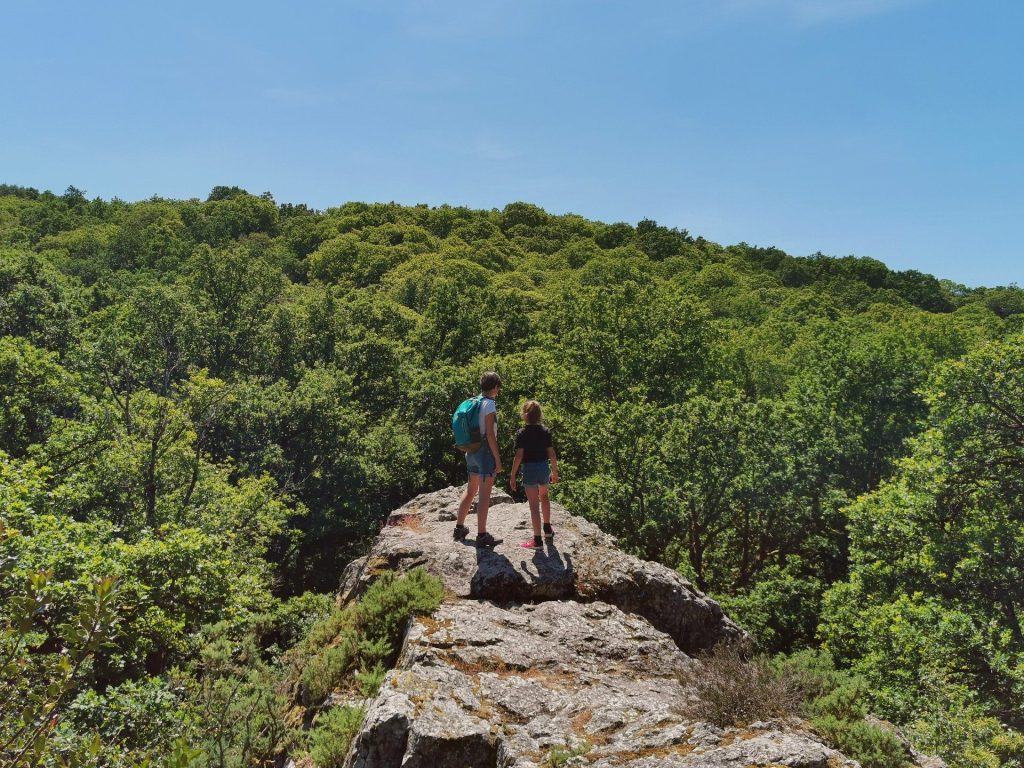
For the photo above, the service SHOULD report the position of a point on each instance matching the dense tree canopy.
(213, 405)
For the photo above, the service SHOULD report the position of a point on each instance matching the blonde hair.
(531, 412)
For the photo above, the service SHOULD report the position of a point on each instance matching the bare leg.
(467, 498)
(532, 494)
(484, 504)
(545, 504)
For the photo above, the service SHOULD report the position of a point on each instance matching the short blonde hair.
(531, 412)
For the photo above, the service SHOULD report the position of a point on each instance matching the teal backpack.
(466, 425)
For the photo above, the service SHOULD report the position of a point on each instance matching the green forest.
(210, 406)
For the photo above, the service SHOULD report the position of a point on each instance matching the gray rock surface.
(577, 655)
(581, 563)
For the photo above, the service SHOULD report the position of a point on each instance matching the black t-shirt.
(534, 439)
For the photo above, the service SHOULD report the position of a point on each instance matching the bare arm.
(515, 468)
(554, 464)
(492, 440)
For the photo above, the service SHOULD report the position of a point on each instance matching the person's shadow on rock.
(495, 577)
(550, 569)
(551, 559)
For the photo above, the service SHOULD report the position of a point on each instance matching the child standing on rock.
(536, 454)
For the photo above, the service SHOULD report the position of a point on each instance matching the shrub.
(238, 712)
(836, 703)
(362, 636)
(294, 618)
(333, 732)
(370, 680)
(338, 621)
(781, 609)
(391, 600)
(868, 744)
(733, 691)
(326, 671)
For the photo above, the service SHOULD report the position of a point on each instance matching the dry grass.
(432, 626)
(741, 735)
(579, 723)
(579, 727)
(477, 667)
(549, 678)
(410, 521)
(629, 756)
(376, 566)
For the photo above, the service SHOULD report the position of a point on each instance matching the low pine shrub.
(326, 671)
(868, 744)
(332, 734)
(391, 600)
(837, 702)
(370, 680)
(361, 636)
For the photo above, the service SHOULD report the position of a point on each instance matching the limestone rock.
(581, 563)
(482, 685)
(573, 655)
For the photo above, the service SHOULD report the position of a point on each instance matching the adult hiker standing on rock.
(475, 424)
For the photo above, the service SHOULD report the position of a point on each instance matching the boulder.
(480, 684)
(580, 563)
(575, 654)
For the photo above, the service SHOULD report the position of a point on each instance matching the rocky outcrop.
(581, 563)
(576, 654)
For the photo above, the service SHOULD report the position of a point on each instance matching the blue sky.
(884, 128)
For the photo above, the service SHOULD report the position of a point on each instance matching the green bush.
(238, 711)
(560, 756)
(781, 609)
(362, 636)
(391, 600)
(332, 733)
(326, 671)
(146, 714)
(836, 703)
(371, 679)
(337, 622)
(868, 744)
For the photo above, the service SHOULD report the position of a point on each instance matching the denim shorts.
(481, 462)
(536, 473)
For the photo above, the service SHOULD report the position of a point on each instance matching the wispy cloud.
(814, 12)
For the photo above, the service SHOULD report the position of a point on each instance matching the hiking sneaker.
(549, 532)
(486, 540)
(460, 532)
(535, 543)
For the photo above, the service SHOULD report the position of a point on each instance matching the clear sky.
(884, 128)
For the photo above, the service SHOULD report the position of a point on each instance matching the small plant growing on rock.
(560, 756)
(391, 599)
(371, 679)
